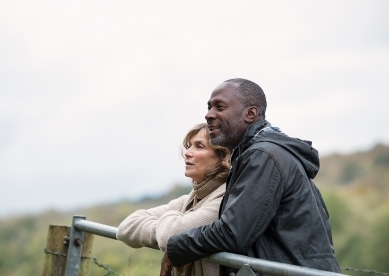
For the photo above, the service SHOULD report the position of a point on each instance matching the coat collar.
(251, 132)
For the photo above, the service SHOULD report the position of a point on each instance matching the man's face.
(225, 116)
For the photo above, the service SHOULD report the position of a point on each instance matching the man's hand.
(166, 266)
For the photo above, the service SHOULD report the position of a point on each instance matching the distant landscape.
(355, 188)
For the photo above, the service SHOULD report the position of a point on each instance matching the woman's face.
(199, 157)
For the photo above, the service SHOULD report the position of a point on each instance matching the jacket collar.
(246, 142)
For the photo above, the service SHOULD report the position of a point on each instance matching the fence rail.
(247, 265)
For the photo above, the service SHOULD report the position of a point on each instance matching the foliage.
(355, 188)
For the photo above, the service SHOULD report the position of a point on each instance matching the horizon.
(151, 196)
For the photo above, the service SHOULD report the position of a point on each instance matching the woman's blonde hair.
(221, 169)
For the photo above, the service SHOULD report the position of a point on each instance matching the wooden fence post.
(57, 249)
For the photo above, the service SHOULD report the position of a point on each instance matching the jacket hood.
(301, 149)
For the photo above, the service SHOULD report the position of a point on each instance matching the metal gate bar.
(246, 264)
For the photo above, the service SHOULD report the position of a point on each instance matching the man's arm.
(252, 203)
(166, 266)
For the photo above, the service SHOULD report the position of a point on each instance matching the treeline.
(355, 188)
(356, 191)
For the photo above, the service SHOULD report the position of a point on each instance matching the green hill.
(356, 190)
(355, 187)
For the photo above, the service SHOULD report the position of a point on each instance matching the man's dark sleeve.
(252, 203)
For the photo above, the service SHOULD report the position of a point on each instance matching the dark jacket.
(271, 210)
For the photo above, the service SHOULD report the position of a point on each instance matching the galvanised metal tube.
(266, 267)
(223, 258)
(100, 229)
(96, 228)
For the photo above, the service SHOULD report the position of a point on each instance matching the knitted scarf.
(203, 189)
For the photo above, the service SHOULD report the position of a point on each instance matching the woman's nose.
(188, 153)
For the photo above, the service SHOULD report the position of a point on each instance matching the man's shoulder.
(270, 144)
(267, 141)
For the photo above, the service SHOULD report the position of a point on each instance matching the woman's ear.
(251, 114)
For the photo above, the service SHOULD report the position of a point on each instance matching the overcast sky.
(96, 96)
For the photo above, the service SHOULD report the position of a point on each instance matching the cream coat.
(156, 225)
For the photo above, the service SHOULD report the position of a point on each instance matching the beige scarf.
(202, 190)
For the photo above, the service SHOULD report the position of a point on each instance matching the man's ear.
(251, 114)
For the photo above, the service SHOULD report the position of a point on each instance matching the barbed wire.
(108, 270)
(106, 267)
(364, 270)
(58, 254)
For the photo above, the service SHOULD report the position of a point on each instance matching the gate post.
(57, 251)
(75, 249)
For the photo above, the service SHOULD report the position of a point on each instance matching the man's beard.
(226, 139)
(219, 140)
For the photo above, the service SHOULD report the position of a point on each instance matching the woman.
(208, 167)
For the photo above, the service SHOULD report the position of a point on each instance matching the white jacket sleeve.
(173, 222)
(139, 228)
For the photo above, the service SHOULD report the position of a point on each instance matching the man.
(271, 210)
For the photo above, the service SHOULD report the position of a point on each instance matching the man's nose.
(210, 115)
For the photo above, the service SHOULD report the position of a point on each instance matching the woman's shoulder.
(221, 189)
(185, 199)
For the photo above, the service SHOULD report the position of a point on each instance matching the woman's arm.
(139, 228)
(173, 222)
